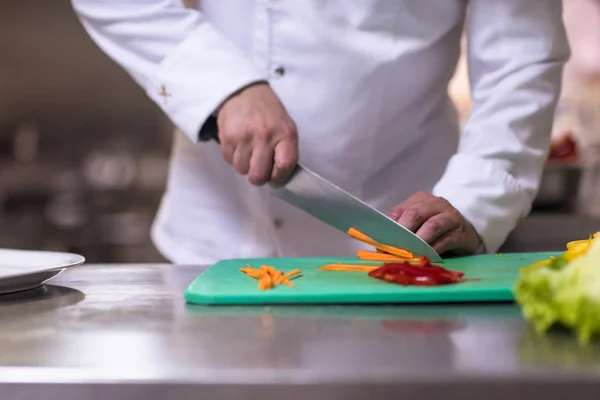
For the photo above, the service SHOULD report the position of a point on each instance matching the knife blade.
(327, 202)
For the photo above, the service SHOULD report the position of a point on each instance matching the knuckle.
(292, 125)
(412, 214)
(263, 133)
(434, 225)
(289, 130)
(445, 202)
(245, 136)
(447, 240)
(227, 154)
(455, 214)
(290, 161)
(230, 132)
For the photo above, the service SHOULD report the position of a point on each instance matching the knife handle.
(210, 130)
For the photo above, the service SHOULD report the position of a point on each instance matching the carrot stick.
(395, 251)
(292, 273)
(271, 270)
(287, 282)
(377, 256)
(356, 234)
(253, 273)
(265, 282)
(348, 267)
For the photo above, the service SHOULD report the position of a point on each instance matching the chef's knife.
(332, 205)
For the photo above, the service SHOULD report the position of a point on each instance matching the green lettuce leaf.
(563, 293)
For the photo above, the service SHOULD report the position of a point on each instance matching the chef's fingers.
(228, 150)
(436, 226)
(416, 215)
(448, 242)
(286, 158)
(241, 157)
(400, 208)
(261, 164)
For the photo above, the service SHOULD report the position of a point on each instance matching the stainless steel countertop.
(124, 331)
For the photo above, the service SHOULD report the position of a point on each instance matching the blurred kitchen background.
(84, 154)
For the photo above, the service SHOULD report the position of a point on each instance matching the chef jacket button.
(279, 71)
(278, 223)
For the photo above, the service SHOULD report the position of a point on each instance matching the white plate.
(24, 270)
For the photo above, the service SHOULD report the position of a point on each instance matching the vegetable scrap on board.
(268, 277)
(564, 290)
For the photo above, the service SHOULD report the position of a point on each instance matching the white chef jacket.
(366, 83)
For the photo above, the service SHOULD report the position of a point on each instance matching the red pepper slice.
(414, 270)
(403, 279)
(423, 274)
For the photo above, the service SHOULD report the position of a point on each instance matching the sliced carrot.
(265, 282)
(378, 256)
(292, 273)
(268, 277)
(254, 273)
(287, 282)
(395, 251)
(348, 267)
(356, 234)
(271, 270)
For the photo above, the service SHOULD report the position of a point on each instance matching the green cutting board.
(493, 277)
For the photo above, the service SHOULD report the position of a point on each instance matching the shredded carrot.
(265, 282)
(268, 277)
(271, 271)
(256, 274)
(292, 273)
(348, 267)
(356, 234)
(287, 282)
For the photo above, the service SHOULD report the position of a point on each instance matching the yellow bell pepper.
(577, 248)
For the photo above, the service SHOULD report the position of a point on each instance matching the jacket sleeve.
(172, 50)
(516, 51)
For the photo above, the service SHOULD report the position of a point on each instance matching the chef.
(355, 90)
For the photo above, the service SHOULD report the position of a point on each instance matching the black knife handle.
(210, 130)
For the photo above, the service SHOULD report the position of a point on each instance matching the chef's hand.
(257, 135)
(435, 221)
